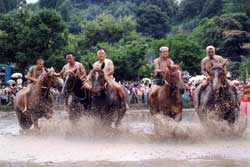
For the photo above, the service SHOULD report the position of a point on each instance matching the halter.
(72, 90)
(49, 85)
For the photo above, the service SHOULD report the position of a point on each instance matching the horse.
(79, 98)
(109, 99)
(168, 100)
(40, 100)
(217, 99)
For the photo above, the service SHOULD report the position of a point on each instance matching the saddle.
(158, 80)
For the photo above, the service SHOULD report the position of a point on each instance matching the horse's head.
(69, 82)
(218, 75)
(49, 80)
(174, 78)
(98, 78)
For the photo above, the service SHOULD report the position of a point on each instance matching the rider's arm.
(82, 70)
(30, 75)
(203, 69)
(111, 68)
(61, 73)
(171, 62)
(157, 67)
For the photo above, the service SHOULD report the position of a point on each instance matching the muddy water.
(137, 143)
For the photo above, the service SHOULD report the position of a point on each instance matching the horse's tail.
(25, 121)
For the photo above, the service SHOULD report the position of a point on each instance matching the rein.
(48, 87)
(72, 90)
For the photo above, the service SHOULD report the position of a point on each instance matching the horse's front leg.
(178, 116)
(35, 123)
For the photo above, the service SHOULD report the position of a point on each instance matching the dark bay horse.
(79, 98)
(217, 98)
(40, 100)
(108, 100)
(168, 100)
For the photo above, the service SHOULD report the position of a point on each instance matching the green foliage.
(152, 22)
(184, 50)
(128, 55)
(105, 28)
(244, 69)
(131, 32)
(236, 6)
(8, 5)
(228, 33)
(31, 35)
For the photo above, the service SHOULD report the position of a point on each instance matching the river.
(135, 144)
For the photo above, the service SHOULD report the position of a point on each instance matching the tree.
(188, 9)
(52, 4)
(227, 33)
(152, 22)
(105, 28)
(8, 5)
(31, 35)
(128, 55)
(212, 8)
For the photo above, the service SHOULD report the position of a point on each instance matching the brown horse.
(108, 101)
(218, 99)
(40, 100)
(168, 100)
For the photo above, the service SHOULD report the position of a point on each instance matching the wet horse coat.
(108, 102)
(217, 99)
(168, 100)
(40, 101)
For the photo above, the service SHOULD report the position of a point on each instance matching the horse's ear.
(90, 66)
(103, 65)
(46, 70)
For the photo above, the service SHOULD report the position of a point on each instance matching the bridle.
(72, 89)
(172, 87)
(47, 88)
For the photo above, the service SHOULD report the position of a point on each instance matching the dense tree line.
(131, 32)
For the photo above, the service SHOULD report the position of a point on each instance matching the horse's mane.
(45, 74)
(175, 68)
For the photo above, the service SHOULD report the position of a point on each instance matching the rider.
(109, 66)
(108, 70)
(161, 66)
(70, 67)
(206, 68)
(33, 74)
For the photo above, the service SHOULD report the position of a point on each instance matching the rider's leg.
(201, 89)
(154, 90)
(26, 98)
(153, 102)
(234, 89)
(66, 99)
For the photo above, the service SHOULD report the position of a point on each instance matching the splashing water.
(140, 138)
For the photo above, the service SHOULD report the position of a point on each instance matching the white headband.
(164, 49)
(210, 47)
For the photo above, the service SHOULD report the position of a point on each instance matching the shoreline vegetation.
(129, 31)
